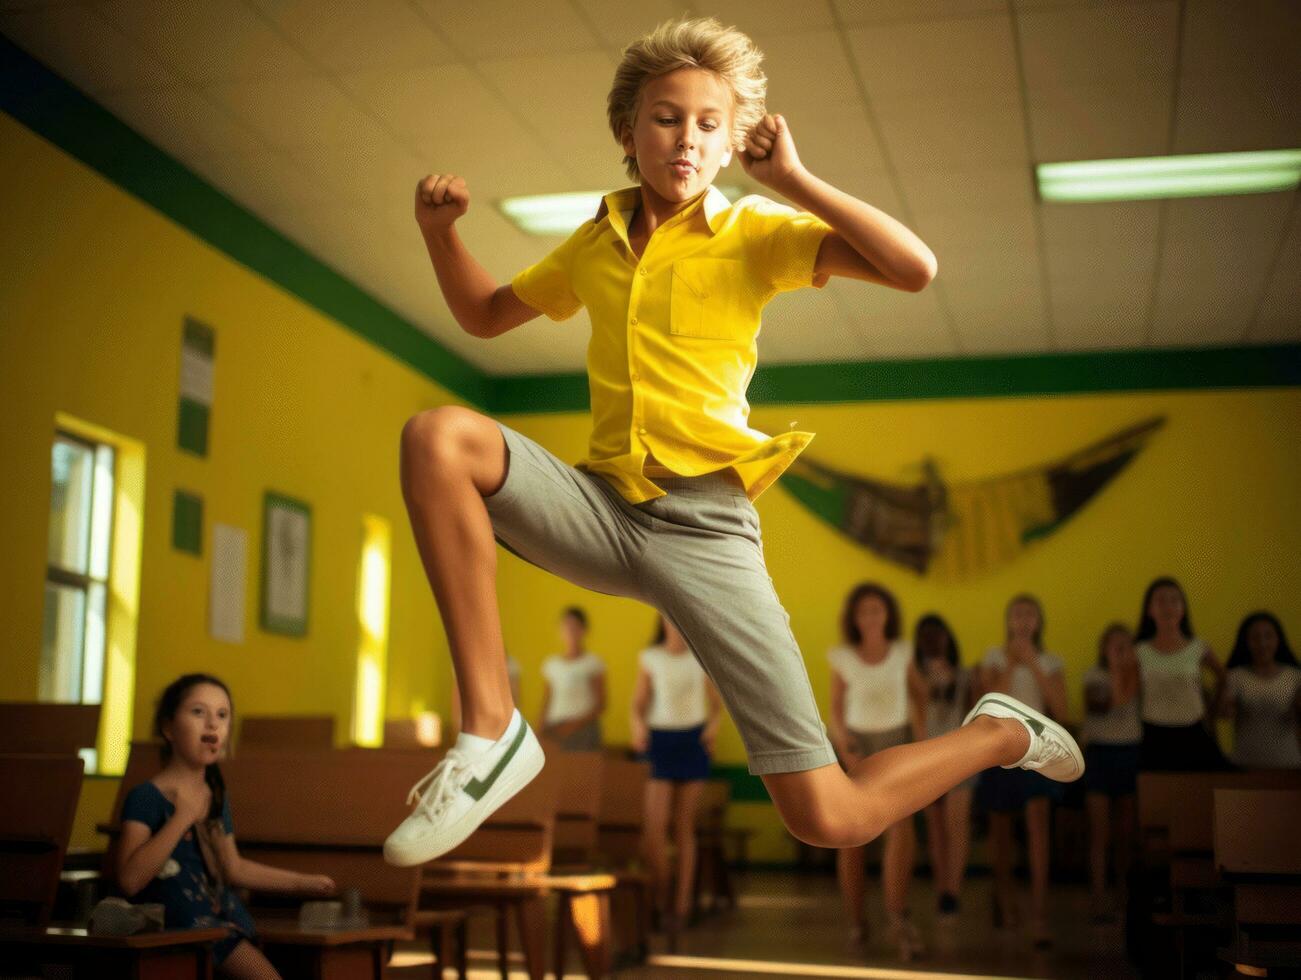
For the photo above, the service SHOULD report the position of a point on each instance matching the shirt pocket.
(708, 300)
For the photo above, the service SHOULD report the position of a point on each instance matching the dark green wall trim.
(54, 109)
(1273, 366)
(50, 107)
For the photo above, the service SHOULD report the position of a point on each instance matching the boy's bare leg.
(452, 458)
(826, 807)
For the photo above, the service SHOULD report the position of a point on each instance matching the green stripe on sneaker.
(477, 787)
(1035, 724)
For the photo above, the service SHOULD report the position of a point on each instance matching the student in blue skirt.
(675, 711)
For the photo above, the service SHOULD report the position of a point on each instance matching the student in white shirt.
(1112, 734)
(675, 712)
(573, 698)
(1021, 668)
(878, 702)
(1263, 696)
(1174, 705)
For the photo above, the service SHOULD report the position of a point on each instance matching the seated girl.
(177, 845)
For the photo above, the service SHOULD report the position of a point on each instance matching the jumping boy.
(661, 510)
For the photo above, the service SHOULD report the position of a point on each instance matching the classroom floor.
(790, 925)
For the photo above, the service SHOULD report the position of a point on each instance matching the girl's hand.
(440, 200)
(317, 885)
(708, 736)
(640, 739)
(193, 802)
(769, 153)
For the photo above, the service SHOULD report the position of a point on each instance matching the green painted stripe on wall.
(55, 110)
(1273, 366)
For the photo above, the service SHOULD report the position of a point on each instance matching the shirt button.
(634, 321)
(643, 270)
(641, 431)
(636, 376)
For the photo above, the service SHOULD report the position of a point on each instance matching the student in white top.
(675, 712)
(948, 699)
(1112, 735)
(573, 698)
(1021, 668)
(878, 702)
(1263, 696)
(1171, 659)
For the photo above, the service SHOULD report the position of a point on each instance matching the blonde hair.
(699, 43)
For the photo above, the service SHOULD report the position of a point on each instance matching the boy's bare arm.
(865, 242)
(481, 307)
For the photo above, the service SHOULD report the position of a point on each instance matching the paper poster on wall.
(226, 592)
(286, 561)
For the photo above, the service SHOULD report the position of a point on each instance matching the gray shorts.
(696, 555)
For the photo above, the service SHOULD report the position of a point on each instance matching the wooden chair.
(712, 875)
(619, 851)
(38, 803)
(58, 729)
(286, 732)
(411, 733)
(578, 807)
(329, 813)
(1184, 892)
(504, 865)
(1258, 851)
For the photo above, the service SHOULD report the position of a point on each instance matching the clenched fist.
(440, 200)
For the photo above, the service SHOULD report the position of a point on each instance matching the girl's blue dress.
(191, 896)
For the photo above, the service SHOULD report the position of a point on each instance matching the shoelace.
(436, 789)
(1051, 751)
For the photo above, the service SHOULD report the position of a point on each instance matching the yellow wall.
(93, 289)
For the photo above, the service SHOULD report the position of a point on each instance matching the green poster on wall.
(198, 343)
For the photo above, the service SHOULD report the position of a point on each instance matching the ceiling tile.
(1278, 317)
(936, 56)
(501, 28)
(1217, 253)
(1238, 112)
(208, 40)
(1097, 122)
(979, 127)
(299, 112)
(345, 35)
(1100, 294)
(1100, 45)
(84, 48)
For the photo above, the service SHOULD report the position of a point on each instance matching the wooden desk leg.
(463, 948)
(531, 915)
(503, 941)
(590, 915)
(562, 929)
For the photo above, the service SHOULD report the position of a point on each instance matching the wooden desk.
(349, 953)
(173, 954)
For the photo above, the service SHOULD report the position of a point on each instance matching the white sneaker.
(459, 794)
(1052, 751)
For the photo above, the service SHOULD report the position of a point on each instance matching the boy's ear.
(727, 156)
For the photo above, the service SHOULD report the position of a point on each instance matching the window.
(76, 581)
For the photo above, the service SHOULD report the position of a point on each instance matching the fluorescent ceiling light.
(1194, 175)
(560, 214)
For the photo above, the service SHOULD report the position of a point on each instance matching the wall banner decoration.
(955, 530)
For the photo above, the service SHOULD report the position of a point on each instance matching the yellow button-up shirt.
(673, 344)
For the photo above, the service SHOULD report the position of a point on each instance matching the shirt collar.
(621, 204)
